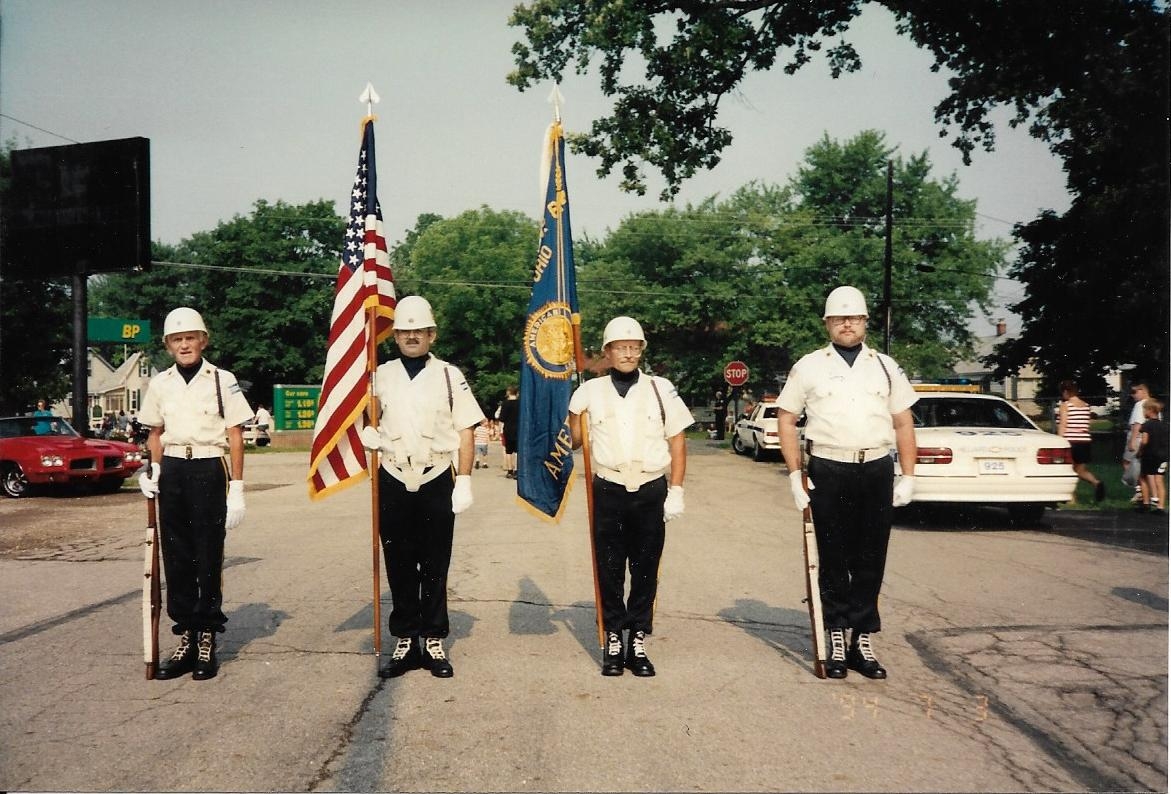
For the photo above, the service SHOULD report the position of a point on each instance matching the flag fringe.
(337, 487)
(541, 514)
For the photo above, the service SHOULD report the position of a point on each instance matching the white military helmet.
(622, 328)
(412, 312)
(181, 320)
(845, 302)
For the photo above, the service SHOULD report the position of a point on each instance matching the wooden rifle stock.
(812, 587)
(152, 599)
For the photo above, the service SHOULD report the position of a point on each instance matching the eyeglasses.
(857, 319)
(627, 350)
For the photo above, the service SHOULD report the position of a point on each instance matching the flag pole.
(556, 98)
(375, 537)
(370, 97)
(579, 361)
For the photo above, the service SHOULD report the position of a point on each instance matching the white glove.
(371, 438)
(673, 506)
(235, 504)
(800, 497)
(461, 496)
(148, 481)
(904, 488)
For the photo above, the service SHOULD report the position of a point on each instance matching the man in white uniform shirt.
(636, 424)
(857, 405)
(425, 439)
(194, 411)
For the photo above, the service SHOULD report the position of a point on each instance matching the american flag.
(364, 282)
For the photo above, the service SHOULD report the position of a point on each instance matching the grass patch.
(1117, 494)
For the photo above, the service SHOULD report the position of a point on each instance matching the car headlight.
(52, 460)
(132, 456)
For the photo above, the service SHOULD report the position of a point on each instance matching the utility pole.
(887, 256)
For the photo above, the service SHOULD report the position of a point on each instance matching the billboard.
(78, 209)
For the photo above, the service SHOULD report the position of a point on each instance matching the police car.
(981, 448)
(757, 434)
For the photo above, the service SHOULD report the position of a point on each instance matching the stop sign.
(736, 373)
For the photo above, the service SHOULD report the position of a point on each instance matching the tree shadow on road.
(785, 630)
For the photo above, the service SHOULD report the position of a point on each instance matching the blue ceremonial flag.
(544, 449)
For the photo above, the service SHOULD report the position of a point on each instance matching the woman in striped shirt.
(1073, 424)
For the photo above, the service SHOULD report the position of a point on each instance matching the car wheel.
(15, 484)
(262, 442)
(737, 444)
(1025, 514)
(757, 452)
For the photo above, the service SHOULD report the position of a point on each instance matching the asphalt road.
(1019, 659)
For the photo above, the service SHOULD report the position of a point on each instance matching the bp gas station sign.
(118, 329)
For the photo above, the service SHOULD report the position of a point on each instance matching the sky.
(259, 100)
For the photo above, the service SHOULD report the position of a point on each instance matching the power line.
(583, 284)
(39, 129)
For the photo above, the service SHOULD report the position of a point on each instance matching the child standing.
(1153, 450)
(481, 435)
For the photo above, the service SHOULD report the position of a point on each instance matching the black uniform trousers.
(416, 531)
(628, 529)
(851, 504)
(192, 507)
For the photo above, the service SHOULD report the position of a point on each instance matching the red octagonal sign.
(736, 373)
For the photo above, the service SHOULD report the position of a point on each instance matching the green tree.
(1089, 77)
(263, 283)
(476, 271)
(746, 278)
(36, 331)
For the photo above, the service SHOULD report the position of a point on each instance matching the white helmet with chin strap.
(623, 328)
(413, 312)
(845, 302)
(182, 320)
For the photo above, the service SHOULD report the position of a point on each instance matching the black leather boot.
(636, 658)
(182, 660)
(861, 657)
(206, 665)
(835, 665)
(435, 659)
(612, 654)
(404, 658)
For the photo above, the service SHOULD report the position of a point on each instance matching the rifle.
(152, 601)
(812, 588)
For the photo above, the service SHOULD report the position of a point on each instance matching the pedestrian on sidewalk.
(857, 405)
(194, 411)
(1140, 392)
(509, 416)
(425, 438)
(480, 436)
(1073, 424)
(635, 427)
(1153, 449)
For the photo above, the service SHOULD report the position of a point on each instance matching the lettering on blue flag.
(544, 449)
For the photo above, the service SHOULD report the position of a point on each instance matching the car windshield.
(960, 412)
(769, 413)
(17, 426)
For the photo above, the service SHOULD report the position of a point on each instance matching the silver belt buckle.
(188, 452)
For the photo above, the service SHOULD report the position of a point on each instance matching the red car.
(37, 450)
